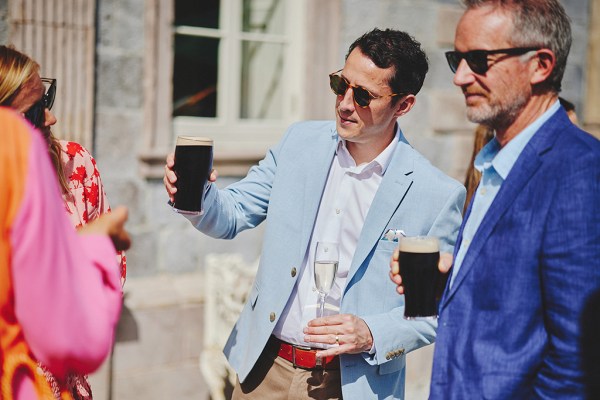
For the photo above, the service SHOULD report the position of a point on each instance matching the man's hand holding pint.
(170, 178)
(443, 265)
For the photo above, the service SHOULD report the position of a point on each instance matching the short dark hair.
(542, 23)
(393, 48)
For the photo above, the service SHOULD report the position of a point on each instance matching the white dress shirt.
(346, 200)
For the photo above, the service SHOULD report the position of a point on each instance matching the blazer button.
(272, 317)
(401, 352)
(388, 356)
(294, 272)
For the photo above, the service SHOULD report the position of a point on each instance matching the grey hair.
(542, 23)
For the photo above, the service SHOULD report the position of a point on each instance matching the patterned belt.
(305, 357)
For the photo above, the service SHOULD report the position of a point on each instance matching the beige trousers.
(274, 378)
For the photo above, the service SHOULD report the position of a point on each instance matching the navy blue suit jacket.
(510, 325)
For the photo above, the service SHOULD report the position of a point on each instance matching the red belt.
(305, 358)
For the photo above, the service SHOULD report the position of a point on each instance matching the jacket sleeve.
(570, 276)
(241, 205)
(392, 334)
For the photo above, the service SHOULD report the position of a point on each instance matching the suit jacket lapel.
(391, 192)
(314, 185)
(525, 167)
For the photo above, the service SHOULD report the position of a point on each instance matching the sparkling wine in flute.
(325, 275)
(325, 268)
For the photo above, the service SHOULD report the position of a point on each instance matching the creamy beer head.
(419, 244)
(194, 141)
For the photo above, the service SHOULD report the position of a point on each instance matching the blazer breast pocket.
(386, 246)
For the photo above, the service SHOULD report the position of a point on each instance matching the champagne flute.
(326, 264)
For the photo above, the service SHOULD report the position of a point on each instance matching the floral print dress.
(85, 202)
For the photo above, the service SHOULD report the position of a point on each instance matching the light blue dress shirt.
(494, 163)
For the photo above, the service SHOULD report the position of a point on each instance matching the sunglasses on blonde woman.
(36, 114)
(339, 85)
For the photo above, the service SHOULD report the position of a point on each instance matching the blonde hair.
(483, 135)
(16, 69)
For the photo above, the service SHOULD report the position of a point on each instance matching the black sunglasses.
(36, 114)
(339, 85)
(478, 59)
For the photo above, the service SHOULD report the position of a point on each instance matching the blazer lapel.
(525, 167)
(314, 185)
(392, 190)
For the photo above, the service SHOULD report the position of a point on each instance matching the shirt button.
(483, 191)
(293, 272)
(337, 211)
(272, 317)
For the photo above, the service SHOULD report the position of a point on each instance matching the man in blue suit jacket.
(527, 259)
(357, 182)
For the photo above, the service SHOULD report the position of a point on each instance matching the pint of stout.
(419, 257)
(193, 164)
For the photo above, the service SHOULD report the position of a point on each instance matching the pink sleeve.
(67, 287)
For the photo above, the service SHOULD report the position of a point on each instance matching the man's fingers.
(213, 175)
(445, 262)
(170, 160)
(334, 351)
(396, 278)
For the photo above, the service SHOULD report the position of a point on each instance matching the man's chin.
(477, 115)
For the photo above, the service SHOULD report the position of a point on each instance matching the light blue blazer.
(285, 188)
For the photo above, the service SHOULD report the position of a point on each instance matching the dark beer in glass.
(419, 257)
(193, 164)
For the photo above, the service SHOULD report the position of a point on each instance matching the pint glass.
(419, 257)
(193, 164)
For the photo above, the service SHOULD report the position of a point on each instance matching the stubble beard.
(498, 114)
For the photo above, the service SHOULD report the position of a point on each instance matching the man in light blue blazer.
(357, 182)
(527, 257)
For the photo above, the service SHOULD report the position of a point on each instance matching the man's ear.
(545, 61)
(405, 104)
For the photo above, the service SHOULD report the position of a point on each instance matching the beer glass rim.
(419, 244)
(194, 141)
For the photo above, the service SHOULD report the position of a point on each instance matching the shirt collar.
(381, 162)
(503, 159)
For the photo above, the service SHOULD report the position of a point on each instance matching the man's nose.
(463, 75)
(347, 101)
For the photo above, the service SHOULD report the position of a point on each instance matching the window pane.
(202, 13)
(195, 76)
(262, 74)
(263, 16)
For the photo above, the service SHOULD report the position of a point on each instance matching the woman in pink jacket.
(60, 293)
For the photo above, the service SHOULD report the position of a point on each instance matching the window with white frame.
(236, 71)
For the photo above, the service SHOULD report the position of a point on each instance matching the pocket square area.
(392, 235)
